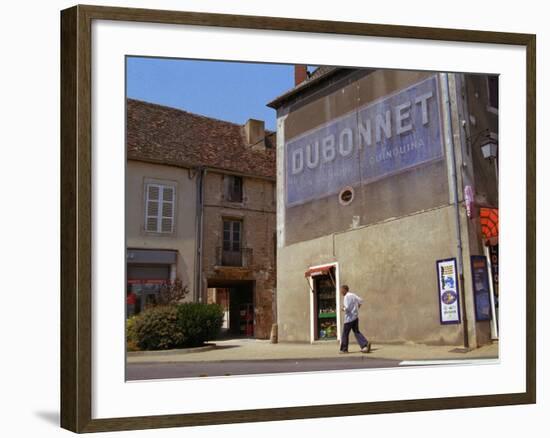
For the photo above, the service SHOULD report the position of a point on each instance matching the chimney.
(254, 133)
(300, 73)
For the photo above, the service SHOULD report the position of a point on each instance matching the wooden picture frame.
(76, 171)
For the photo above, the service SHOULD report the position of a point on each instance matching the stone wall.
(257, 213)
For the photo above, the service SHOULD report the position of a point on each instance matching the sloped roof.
(160, 134)
(319, 74)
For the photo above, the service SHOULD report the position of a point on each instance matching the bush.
(199, 322)
(175, 326)
(131, 335)
(156, 328)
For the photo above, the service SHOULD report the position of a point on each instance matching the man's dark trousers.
(349, 326)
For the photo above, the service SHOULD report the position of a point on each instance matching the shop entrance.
(325, 302)
(237, 300)
(489, 221)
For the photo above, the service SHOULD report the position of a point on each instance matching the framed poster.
(178, 189)
(449, 294)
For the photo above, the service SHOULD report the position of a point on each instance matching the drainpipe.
(197, 292)
(454, 181)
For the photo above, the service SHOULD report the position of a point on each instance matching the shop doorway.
(489, 221)
(324, 303)
(237, 300)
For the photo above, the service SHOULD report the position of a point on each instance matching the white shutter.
(167, 209)
(159, 208)
(152, 208)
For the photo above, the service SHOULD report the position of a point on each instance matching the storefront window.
(141, 294)
(325, 293)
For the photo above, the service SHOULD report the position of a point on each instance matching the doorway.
(237, 300)
(324, 303)
(325, 306)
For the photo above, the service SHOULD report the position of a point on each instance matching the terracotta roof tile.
(160, 134)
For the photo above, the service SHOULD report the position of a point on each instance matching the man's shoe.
(343, 351)
(366, 348)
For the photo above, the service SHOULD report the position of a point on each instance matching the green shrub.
(199, 322)
(131, 335)
(174, 326)
(156, 328)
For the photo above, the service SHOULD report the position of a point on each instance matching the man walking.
(351, 321)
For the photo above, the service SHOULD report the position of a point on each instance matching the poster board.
(448, 291)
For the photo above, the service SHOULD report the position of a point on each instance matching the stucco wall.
(293, 292)
(390, 264)
(182, 239)
(388, 239)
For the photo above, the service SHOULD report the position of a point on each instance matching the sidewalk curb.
(206, 347)
(338, 357)
(219, 351)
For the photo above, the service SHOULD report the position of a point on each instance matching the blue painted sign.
(480, 279)
(387, 136)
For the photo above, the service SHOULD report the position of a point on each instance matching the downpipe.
(456, 203)
(200, 219)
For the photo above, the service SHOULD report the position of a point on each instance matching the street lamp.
(489, 149)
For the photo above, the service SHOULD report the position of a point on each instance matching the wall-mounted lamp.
(489, 149)
(488, 142)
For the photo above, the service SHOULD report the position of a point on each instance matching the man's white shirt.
(351, 307)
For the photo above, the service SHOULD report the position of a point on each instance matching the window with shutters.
(159, 208)
(233, 187)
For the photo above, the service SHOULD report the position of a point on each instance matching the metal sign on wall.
(480, 279)
(449, 298)
(387, 136)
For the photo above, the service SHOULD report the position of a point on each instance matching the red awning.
(488, 218)
(320, 270)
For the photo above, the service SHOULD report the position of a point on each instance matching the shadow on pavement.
(225, 347)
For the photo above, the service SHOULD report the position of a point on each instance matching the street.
(243, 356)
(167, 370)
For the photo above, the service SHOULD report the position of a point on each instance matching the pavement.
(254, 356)
(259, 349)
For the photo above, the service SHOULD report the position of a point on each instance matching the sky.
(232, 91)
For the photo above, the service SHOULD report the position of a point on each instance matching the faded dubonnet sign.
(387, 136)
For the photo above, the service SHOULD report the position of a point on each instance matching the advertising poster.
(385, 137)
(480, 279)
(449, 302)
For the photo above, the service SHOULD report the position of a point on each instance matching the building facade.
(381, 185)
(200, 208)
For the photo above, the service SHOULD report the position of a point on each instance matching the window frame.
(161, 185)
(231, 241)
(228, 188)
